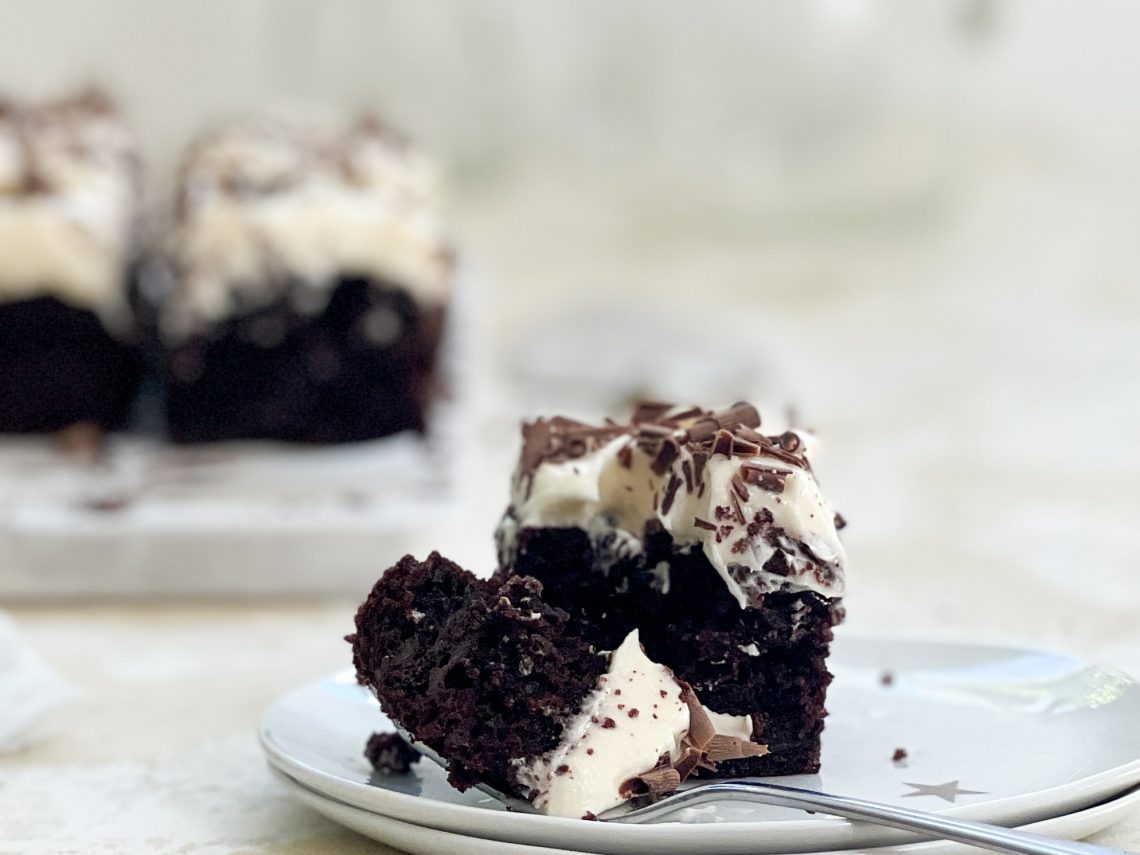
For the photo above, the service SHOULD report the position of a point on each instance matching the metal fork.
(929, 825)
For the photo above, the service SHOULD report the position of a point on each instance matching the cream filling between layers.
(598, 487)
(634, 716)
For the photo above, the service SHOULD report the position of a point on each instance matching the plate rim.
(1127, 799)
(1012, 810)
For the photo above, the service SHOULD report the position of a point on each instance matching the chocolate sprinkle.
(670, 493)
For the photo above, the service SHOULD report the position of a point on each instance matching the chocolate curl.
(561, 438)
(740, 414)
(772, 480)
(688, 762)
(650, 411)
(721, 748)
(657, 782)
(670, 493)
(669, 452)
(701, 730)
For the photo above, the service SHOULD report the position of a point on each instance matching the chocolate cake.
(509, 691)
(390, 753)
(69, 204)
(309, 275)
(706, 535)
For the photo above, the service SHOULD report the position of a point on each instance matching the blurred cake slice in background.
(69, 228)
(309, 276)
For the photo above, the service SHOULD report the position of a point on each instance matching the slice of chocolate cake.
(706, 535)
(506, 688)
(69, 203)
(310, 272)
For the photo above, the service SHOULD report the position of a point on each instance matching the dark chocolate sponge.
(362, 368)
(479, 671)
(700, 631)
(59, 366)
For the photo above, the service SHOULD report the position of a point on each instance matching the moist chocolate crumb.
(634, 713)
(390, 753)
(899, 755)
(608, 723)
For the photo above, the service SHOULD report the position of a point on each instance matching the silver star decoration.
(948, 792)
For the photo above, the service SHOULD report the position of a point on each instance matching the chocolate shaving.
(737, 511)
(739, 487)
(683, 415)
(790, 441)
(722, 747)
(701, 730)
(649, 430)
(722, 443)
(772, 480)
(688, 762)
(700, 460)
(669, 452)
(625, 456)
(702, 430)
(670, 493)
(687, 471)
(650, 411)
(655, 783)
(705, 524)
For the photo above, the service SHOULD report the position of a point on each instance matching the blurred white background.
(916, 222)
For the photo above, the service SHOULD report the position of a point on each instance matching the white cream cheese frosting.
(635, 716)
(265, 206)
(749, 501)
(69, 205)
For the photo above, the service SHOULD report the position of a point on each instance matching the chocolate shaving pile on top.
(662, 430)
(702, 748)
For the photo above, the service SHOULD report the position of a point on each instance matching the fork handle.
(981, 834)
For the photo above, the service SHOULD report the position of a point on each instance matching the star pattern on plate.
(948, 792)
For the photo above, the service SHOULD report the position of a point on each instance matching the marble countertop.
(971, 362)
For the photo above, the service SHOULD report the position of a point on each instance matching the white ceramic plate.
(419, 840)
(1025, 735)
